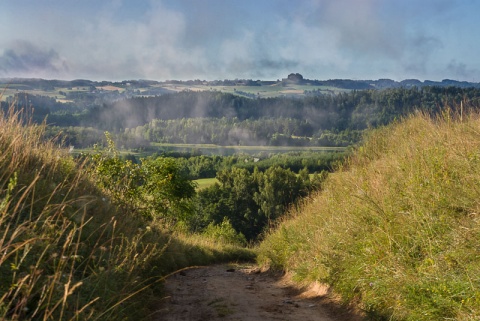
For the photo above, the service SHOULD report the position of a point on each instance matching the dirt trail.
(233, 292)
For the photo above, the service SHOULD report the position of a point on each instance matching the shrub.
(225, 233)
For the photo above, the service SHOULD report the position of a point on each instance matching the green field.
(264, 91)
(9, 90)
(205, 182)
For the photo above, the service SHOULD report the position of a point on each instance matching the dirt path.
(233, 292)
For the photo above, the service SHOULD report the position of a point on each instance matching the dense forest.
(226, 119)
(353, 110)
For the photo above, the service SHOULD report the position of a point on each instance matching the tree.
(251, 200)
(277, 188)
(165, 190)
(295, 77)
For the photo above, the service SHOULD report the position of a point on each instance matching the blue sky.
(227, 39)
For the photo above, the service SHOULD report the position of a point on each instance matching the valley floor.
(233, 292)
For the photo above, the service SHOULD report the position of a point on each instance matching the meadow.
(265, 91)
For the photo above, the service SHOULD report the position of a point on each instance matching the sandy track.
(228, 292)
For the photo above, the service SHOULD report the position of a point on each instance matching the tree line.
(357, 109)
(227, 119)
(202, 166)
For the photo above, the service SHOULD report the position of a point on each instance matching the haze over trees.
(212, 117)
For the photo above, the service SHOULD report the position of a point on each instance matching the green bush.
(225, 233)
(155, 187)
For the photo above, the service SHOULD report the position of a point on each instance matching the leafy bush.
(155, 187)
(224, 232)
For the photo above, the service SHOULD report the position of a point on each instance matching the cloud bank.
(25, 58)
(116, 40)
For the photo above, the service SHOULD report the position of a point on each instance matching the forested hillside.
(211, 117)
(353, 110)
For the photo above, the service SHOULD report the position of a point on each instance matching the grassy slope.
(66, 252)
(398, 229)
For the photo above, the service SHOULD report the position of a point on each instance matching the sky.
(161, 40)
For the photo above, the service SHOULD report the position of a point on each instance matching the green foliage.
(228, 131)
(278, 188)
(208, 166)
(155, 187)
(396, 230)
(252, 201)
(227, 119)
(297, 161)
(224, 232)
(355, 110)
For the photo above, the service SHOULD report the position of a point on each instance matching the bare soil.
(243, 292)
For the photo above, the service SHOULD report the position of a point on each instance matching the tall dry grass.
(397, 230)
(66, 254)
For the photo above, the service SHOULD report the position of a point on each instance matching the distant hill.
(292, 79)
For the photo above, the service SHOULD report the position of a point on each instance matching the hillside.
(294, 85)
(396, 230)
